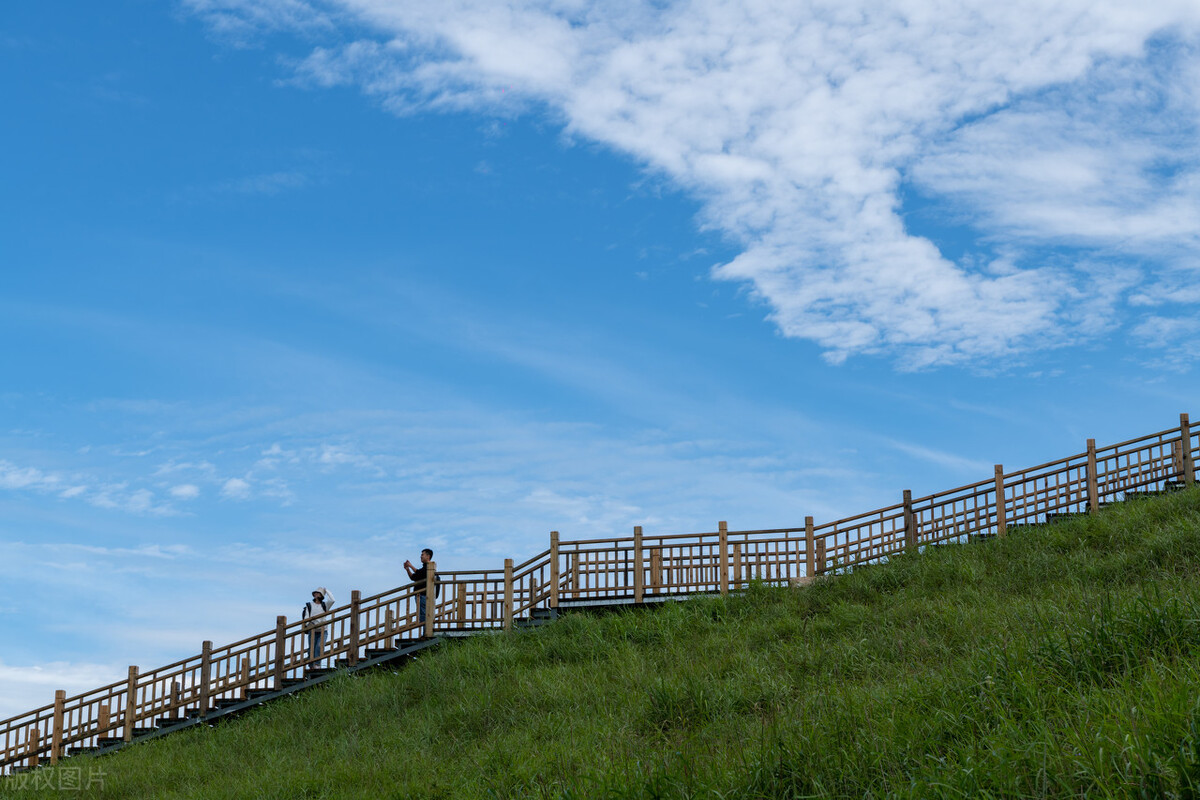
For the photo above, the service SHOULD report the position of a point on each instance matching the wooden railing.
(618, 569)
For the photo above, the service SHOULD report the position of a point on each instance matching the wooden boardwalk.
(637, 569)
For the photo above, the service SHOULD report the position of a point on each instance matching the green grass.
(1060, 661)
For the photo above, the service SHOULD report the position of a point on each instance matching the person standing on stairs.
(419, 576)
(314, 621)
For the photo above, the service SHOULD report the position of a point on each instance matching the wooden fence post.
(1093, 486)
(736, 558)
(910, 527)
(355, 606)
(430, 597)
(810, 553)
(723, 556)
(508, 594)
(205, 676)
(34, 740)
(389, 628)
(56, 740)
(460, 595)
(822, 561)
(244, 678)
(280, 651)
(130, 703)
(1001, 503)
(176, 701)
(1185, 436)
(103, 718)
(656, 569)
(638, 572)
(554, 569)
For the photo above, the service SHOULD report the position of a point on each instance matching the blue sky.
(291, 290)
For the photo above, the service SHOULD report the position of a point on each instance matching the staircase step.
(255, 694)
(78, 751)
(376, 652)
(344, 663)
(118, 736)
(386, 644)
(166, 722)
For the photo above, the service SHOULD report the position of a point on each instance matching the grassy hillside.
(1060, 661)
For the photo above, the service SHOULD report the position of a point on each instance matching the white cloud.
(114, 496)
(185, 491)
(145, 551)
(969, 468)
(1113, 161)
(14, 477)
(584, 509)
(239, 21)
(235, 489)
(799, 124)
(270, 183)
(278, 489)
(341, 455)
(141, 500)
(23, 688)
(119, 497)
(203, 467)
(1178, 339)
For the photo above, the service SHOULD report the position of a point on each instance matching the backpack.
(308, 614)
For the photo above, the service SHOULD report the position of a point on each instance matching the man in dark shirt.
(419, 576)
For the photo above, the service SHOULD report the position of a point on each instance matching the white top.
(315, 615)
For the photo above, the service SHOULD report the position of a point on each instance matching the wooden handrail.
(1168, 433)
(544, 554)
(627, 541)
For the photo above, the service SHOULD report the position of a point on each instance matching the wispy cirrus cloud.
(1111, 162)
(1177, 339)
(259, 185)
(115, 496)
(26, 686)
(268, 183)
(941, 458)
(801, 124)
(16, 477)
(240, 23)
